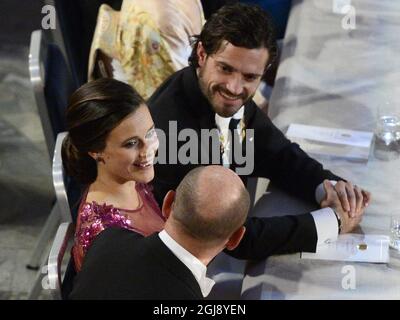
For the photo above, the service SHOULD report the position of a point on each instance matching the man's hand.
(334, 201)
(354, 200)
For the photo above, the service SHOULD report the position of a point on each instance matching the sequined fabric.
(94, 218)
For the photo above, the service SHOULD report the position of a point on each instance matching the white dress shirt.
(223, 128)
(325, 219)
(198, 269)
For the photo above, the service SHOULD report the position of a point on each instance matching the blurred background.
(26, 190)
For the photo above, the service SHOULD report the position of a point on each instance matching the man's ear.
(235, 238)
(201, 54)
(168, 203)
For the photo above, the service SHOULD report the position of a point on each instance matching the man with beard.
(229, 57)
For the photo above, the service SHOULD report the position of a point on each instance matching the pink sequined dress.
(94, 218)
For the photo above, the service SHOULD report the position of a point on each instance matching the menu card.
(353, 247)
(332, 142)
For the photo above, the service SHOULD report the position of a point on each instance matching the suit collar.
(198, 269)
(166, 257)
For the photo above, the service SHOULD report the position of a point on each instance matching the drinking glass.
(388, 124)
(395, 231)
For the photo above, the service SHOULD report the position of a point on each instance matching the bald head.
(211, 203)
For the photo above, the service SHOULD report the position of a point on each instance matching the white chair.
(52, 84)
(60, 180)
(64, 232)
(63, 236)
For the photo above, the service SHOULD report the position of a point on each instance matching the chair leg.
(47, 233)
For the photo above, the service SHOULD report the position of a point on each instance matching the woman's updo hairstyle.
(94, 110)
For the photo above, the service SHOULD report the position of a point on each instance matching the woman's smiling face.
(130, 149)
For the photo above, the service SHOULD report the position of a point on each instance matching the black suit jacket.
(122, 264)
(180, 99)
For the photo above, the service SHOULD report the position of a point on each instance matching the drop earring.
(99, 159)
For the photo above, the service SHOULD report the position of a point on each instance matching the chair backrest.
(52, 85)
(68, 191)
(60, 180)
(63, 236)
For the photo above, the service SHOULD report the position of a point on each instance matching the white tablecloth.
(336, 77)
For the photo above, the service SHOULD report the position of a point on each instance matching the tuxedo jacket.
(122, 264)
(287, 166)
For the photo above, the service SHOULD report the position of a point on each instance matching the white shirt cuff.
(326, 224)
(320, 191)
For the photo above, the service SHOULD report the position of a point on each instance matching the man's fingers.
(328, 186)
(366, 197)
(354, 199)
(340, 188)
(359, 200)
(349, 224)
(330, 191)
(330, 194)
(351, 198)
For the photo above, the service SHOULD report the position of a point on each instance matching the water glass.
(388, 124)
(395, 232)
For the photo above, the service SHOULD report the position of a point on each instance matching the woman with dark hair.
(110, 148)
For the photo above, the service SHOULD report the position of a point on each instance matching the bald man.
(204, 217)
